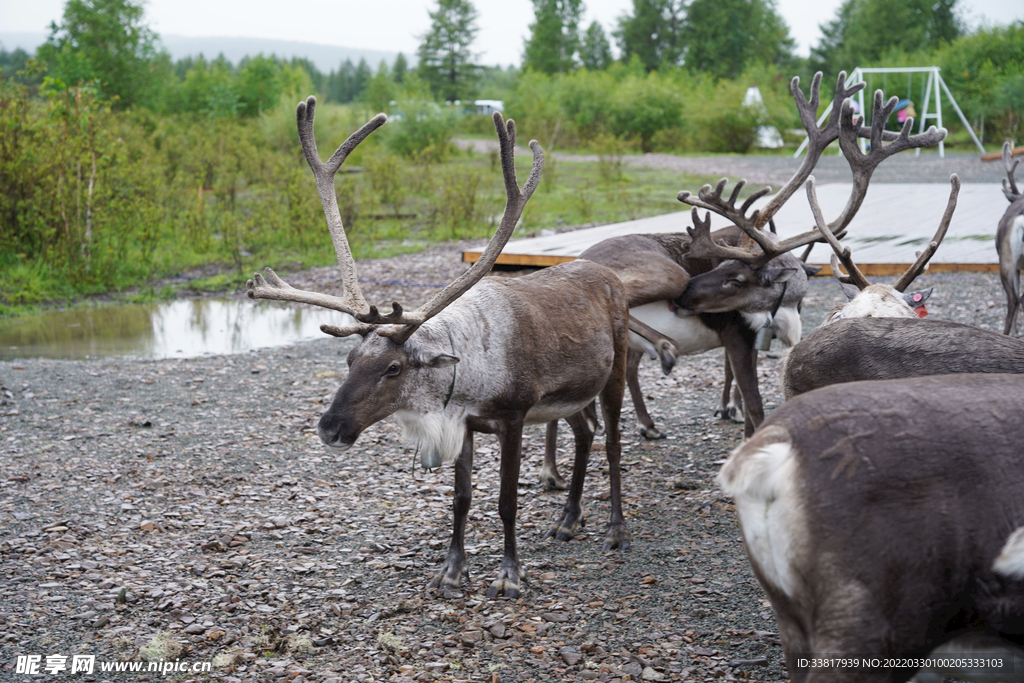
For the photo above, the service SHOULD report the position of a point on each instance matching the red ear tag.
(917, 296)
(921, 311)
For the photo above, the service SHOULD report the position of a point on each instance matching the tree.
(399, 69)
(380, 89)
(722, 37)
(554, 36)
(339, 83)
(865, 31)
(446, 61)
(595, 51)
(259, 86)
(651, 33)
(105, 41)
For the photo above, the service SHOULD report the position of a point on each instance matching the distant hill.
(325, 57)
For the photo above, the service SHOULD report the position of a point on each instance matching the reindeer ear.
(771, 275)
(441, 360)
(811, 270)
(850, 291)
(784, 275)
(915, 299)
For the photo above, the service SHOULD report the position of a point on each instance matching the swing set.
(932, 81)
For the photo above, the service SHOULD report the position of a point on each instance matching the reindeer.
(739, 279)
(721, 290)
(878, 333)
(486, 358)
(1010, 242)
(879, 300)
(885, 520)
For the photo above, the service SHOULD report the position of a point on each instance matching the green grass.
(570, 194)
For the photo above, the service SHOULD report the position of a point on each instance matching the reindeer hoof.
(565, 527)
(731, 414)
(506, 585)
(667, 353)
(449, 579)
(553, 482)
(617, 538)
(652, 433)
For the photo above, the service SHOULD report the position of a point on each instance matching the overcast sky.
(397, 24)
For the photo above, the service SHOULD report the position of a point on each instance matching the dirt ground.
(184, 510)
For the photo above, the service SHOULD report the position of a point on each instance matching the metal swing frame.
(934, 82)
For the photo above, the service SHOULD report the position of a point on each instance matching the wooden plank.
(992, 156)
(534, 260)
(893, 269)
(869, 269)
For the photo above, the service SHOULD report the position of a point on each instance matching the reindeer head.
(405, 359)
(748, 280)
(385, 376)
(752, 275)
(880, 301)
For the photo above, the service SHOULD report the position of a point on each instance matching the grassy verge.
(427, 203)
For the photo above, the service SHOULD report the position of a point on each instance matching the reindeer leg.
(617, 537)
(511, 437)
(736, 405)
(1010, 277)
(1017, 301)
(550, 479)
(739, 344)
(666, 349)
(449, 578)
(647, 428)
(731, 405)
(572, 517)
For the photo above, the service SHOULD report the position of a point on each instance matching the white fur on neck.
(756, 321)
(1010, 562)
(787, 326)
(434, 432)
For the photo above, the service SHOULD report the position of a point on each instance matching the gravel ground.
(185, 509)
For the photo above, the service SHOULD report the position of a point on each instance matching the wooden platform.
(895, 221)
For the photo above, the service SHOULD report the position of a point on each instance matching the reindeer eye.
(393, 369)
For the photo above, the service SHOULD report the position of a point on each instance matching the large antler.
(703, 246)
(864, 165)
(855, 276)
(841, 124)
(1010, 183)
(922, 259)
(352, 302)
(398, 324)
(817, 138)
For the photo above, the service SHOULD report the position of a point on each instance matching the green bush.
(423, 127)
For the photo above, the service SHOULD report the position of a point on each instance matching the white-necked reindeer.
(885, 521)
(486, 358)
(878, 334)
(866, 300)
(1010, 242)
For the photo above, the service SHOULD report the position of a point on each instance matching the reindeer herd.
(881, 506)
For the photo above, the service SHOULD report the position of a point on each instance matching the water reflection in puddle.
(177, 329)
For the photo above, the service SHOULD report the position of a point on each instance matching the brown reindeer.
(1010, 242)
(487, 358)
(885, 521)
(695, 291)
(735, 289)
